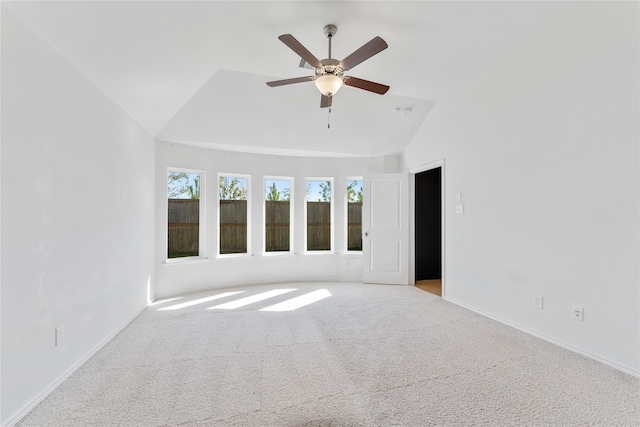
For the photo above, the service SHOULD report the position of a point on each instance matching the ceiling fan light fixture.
(328, 84)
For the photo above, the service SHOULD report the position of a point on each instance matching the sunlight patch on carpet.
(200, 301)
(250, 300)
(301, 301)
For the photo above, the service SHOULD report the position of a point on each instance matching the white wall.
(181, 277)
(77, 218)
(544, 148)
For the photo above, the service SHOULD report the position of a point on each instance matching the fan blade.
(290, 81)
(302, 51)
(325, 101)
(366, 85)
(305, 64)
(374, 46)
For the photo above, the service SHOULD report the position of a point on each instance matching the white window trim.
(346, 216)
(248, 178)
(201, 217)
(264, 215)
(332, 219)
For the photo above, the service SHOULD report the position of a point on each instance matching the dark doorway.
(428, 224)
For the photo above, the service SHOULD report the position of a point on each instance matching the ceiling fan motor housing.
(330, 66)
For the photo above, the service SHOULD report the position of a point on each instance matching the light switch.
(459, 209)
(459, 197)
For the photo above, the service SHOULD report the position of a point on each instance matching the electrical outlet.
(577, 313)
(537, 301)
(59, 335)
(202, 268)
(460, 209)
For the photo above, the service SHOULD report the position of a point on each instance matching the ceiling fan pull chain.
(329, 118)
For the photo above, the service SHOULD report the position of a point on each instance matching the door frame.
(412, 219)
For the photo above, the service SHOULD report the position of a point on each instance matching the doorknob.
(365, 234)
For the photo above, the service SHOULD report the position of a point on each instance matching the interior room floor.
(333, 354)
(432, 286)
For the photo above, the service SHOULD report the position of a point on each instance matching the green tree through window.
(233, 188)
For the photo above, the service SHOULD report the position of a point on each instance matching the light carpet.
(367, 355)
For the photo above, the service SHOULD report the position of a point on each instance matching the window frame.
(201, 216)
(346, 215)
(331, 249)
(264, 215)
(248, 252)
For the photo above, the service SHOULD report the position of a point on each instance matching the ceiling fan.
(329, 73)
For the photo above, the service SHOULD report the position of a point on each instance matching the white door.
(385, 234)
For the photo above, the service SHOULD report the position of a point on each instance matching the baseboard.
(614, 365)
(26, 408)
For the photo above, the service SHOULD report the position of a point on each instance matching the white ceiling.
(195, 71)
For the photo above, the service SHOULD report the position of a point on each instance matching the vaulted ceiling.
(195, 72)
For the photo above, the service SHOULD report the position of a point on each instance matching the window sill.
(233, 256)
(278, 254)
(186, 260)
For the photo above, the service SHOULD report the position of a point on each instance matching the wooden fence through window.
(233, 226)
(184, 226)
(318, 226)
(354, 226)
(276, 227)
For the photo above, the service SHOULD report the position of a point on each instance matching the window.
(278, 216)
(354, 215)
(233, 214)
(319, 214)
(184, 233)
